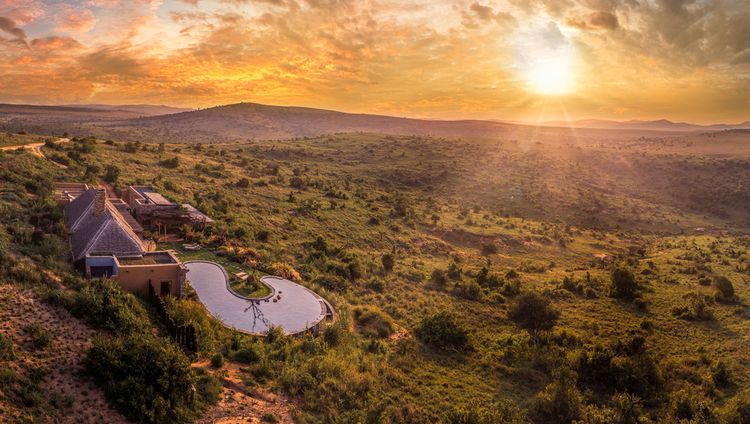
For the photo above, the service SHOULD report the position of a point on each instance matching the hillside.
(659, 125)
(251, 121)
(433, 251)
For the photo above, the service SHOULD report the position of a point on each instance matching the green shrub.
(738, 410)
(388, 262)
(146, 378)
(689, 407)
(623, 367)
(624, 284)
(696, 309)
(39, 336)
(442, 331)
(533, 313)
(217, 361)
(468, 290)
(333, 283)
(333, 334)
(372, 322)
(269, 418)
(560, 402)
(724, 289)
(7, 352)
(439, 278)
(477, 413)
(103, 304)
(246, 355)
(720, 375)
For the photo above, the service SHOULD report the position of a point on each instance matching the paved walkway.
(291, 306)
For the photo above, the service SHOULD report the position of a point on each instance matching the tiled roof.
(123, 209)
(74, 210)
(107, 233)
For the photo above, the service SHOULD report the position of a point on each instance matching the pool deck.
(293, 307)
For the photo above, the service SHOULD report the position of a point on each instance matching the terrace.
(150, 258)
(252, 286)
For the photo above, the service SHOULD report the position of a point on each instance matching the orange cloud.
(419, 57)
(76, 20)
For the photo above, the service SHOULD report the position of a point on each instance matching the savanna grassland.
(595, 279)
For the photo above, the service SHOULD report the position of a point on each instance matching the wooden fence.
(182, 334)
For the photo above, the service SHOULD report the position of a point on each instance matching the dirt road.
(36, 149)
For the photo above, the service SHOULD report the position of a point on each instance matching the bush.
(372, 322)
(720, 375)
(388, 262)
(738, 411)
(724, 289)
(477, 413)
(468, 290)
(246, 355)
(147, 379)
(489, 249)
(111, 174)
(560, 402)
(39, 336)
(333, 283)
(623, 367)
(217, 361)
(439, 278)
(269, 418)
(442, 331)
(696, 309)
(691, 408)
(171, 163)
(533, 313)
(6, 348)
(624, 284)
(103, 304)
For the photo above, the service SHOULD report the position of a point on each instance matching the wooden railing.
(184, 335)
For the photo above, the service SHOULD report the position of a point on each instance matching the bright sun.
(552, 75)
(545, 59)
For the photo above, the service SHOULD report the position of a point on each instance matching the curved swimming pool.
(292, 307)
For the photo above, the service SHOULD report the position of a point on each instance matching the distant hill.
(257, 121)
(659, 125)
(142, 109)
(249, 121)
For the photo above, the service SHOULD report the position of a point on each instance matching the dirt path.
(36, 149)
(108, 187)
(239, 404)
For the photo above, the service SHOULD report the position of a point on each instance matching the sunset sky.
(503, 59)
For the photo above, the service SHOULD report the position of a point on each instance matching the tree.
(439, 278)
(243, 183)
(144, 378)
(624, 284)
(559, 402)
(724, 289)
(171, 163)
(442, 331)
(533, 313)
(388, 262)
(111, 174)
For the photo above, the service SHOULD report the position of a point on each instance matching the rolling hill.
(658, 125)
(253, 121)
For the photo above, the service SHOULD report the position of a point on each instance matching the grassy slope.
(353, 184)
(373, 171)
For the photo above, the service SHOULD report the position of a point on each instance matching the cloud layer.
(679, 59)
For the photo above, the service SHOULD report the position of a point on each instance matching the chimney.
(99, 199)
